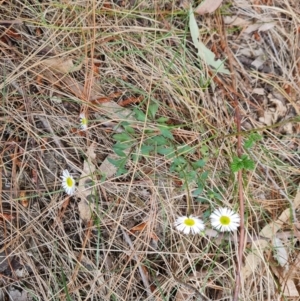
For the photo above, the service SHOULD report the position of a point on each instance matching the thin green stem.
(188, 197)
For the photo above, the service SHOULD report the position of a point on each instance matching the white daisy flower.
(83, 122)
(224, 219)
(187, 224)
(68, 182)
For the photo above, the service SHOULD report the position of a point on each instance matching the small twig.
(266, 170)
(242, 209)
(10, 22)
(248, 238)
(80, 256)
(199, 295)
(188, 197)
(57, 141)
(142, 273)
(131, 100)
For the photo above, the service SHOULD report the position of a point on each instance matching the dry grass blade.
(160, 123)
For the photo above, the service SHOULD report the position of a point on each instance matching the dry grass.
(140, 52)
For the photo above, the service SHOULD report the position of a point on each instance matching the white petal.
(66, 173)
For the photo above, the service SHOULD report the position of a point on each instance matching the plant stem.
(188, 197)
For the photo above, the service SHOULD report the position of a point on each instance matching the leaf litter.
(86, 190)
(114, 220)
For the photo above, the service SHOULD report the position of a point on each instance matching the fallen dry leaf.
(24, 200)
(85, 189)
(100, 100)
(259, 61)
(271, 115)
(34, 176)
(281, 253)
(208, 6)
(61, 64)
(130, 100)
(13, 33)
(259, 26)
(85, 210)
(18, 295)
(236, 21)
(184, 293)
(267, 26)
(259, 91)
(96, 68)
(139, 227)
(6, 216)
(254, 258)
(290, 289)
(287, 283)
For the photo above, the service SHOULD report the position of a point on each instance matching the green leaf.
(123, 137)
(136, 157)
(121, 171)
(188, 176)
(146, 149)
(237, 164)
(178, 164)
(186, 149)
(210, 194)
(166, 132)
(150, 131)
(119, 152)
(124, 123)
(203, 176)
(139, 115)
(202, 200)
(253, 137)
(118, 148)
(129, 129)
(249, 164)
(157, 140)
(197, 191)
(204, 150)
(120, 164)
(162, 119)
(103, 178)
(122, 146)
(242, 163)
(165, 150)
(207, 213)
(217, 195)
(117, 162)
(203, 52)
(199, 164)
(248, 143)
(153, 107)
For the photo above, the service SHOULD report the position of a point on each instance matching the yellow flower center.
(189, 222)
(225, 220)
(83, 121)
(69, 182)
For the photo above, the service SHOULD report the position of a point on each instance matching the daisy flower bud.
(224, 219)
(83, 122)
(187, 224)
